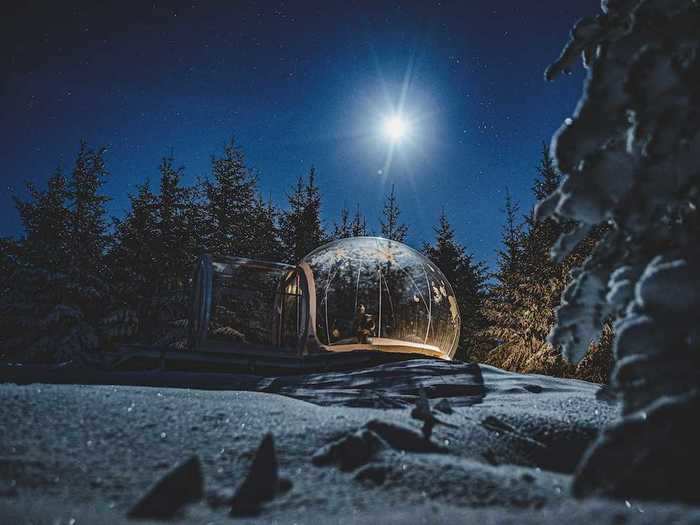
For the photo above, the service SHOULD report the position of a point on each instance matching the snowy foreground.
(89, 452)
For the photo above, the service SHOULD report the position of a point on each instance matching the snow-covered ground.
(89, 452)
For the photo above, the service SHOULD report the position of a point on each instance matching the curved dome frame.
(415, 308)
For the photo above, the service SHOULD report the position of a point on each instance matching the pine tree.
(153, 255)
(547, 278)
(355, 227)
(468, 280)
(46, 221)
(53, 307)
(39, 263)
(88, 216)
(231, 195)
(89, 239)
(504, 306)
(391, 227)
(175, 249)
(509, 257)
(358, 228)
(343, 229)
(135, 266)
(549, 178)
(301, 227)
(268, 245)
(9, 253)
(519, 306)
(9, 273)
(528, 287)
(133, 256)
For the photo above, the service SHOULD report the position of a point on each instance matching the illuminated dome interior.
(388, 293)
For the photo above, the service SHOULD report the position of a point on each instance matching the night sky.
(298, 84)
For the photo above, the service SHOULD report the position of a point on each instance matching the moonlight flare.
(396, 128)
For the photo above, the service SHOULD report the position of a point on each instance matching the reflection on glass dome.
(378, 292)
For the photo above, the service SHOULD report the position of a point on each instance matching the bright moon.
(395, 128)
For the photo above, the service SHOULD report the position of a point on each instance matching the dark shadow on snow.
(394, 384)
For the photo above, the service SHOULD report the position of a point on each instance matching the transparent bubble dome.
(380, 292)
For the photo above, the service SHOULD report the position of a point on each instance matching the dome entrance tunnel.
(360, 293)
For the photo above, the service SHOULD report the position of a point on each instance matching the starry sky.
(297, 84)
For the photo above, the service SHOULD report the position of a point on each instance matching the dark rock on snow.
(182, 485)
(262, 482)
(223, 497)
(444, 406)
(403, 438)
(351, 451)
(497, 425)
(361, 447)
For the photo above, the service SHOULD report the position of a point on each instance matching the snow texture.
(91, 452)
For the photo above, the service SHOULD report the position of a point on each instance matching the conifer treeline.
(528, 284)
(76, 280)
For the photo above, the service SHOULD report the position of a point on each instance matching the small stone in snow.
(444, 406)
(402, 438)
(350, 451)
(182, 485)
(262, 482)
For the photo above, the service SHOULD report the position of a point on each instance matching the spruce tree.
(54, 306)
(391, 226)
(135, 265)
(528, 287)
(174, 244)
(153, 255)
(46, 221)
(520, 308)
(88, 236)
(468, 280)
(343, 229)
(301, 227)
(504, 306)
(268, 245)
(510, 255)
(358, 227)
(347, 227)
(9, 252)
(231, 194)
(546, 278)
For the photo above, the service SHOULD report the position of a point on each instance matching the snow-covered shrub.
(631, 158)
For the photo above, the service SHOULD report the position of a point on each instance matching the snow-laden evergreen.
(630, 157)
